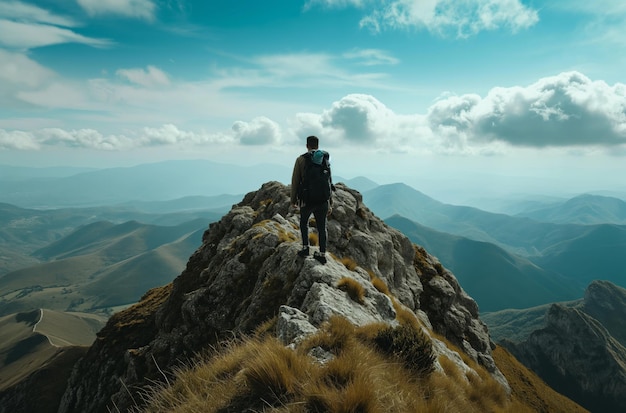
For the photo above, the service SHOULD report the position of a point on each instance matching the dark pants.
(319, 212)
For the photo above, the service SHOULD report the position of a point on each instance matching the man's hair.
(312, 142)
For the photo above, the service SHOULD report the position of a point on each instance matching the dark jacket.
(296, 178)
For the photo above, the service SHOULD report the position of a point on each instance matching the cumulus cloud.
(564, 110)
(151, 76)
(166, 135)
(363, 121)
(461, 18)
(260, 131)
(141, 9)
(17, 140)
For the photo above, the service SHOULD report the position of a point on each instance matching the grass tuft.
(349, 263)
(409, 345)
(354, 289)
(380, 285)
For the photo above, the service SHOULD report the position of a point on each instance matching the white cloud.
(460, 18)
(17, 140)
(141, 9)
(29, 35)
(566, 110)
(19, 11)
(166, 135)
(151, 76)
(260, 131)
(372, 57)
(24, 26)
(19, 69)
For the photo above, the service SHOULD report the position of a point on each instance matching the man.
(312, 203)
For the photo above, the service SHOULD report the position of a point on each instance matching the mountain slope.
(495, 278)
(30, 340)
(101, 266)
(574, 352)
(381, 326)
(583, 209)
(37, 352)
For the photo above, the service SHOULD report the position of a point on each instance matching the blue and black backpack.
(317, 181)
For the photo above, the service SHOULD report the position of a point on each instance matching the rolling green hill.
(24, 231)
(101, 266)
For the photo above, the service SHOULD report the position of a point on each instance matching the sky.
(454, 97)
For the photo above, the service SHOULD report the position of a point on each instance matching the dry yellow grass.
(263, 375)
(380, 285)
(354, 289)
(313, 238)
(349, 263)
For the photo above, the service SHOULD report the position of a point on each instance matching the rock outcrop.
(246, 273)
(576, 353)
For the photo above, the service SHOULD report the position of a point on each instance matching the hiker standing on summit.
(311, 187)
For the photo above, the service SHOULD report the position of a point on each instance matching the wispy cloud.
(141, 9)
(19, 11)
(457, 18)
(24, 26)
(151, 76)
(16, 35)
(371, 57)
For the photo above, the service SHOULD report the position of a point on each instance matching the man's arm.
(296, 176)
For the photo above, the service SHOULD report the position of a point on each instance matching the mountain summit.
(245, 279)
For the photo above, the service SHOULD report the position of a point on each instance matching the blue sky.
(445, 95)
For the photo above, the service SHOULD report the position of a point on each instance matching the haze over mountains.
(543, 253)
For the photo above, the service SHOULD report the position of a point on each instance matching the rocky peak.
(606, 302)
(577, 357)
(246, 273)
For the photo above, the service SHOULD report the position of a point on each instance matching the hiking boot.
(320, 256)
(304, 252)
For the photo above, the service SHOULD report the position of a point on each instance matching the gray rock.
(247, 272)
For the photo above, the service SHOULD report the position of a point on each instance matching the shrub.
(408, 344)
(354, 289)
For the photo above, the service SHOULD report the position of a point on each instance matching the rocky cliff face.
(246, 272)
(576, 353)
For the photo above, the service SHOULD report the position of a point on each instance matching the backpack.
(316, 184)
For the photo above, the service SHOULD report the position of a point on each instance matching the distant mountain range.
(148, 182)
(502, 259)
(583, 209)
(542, 254)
